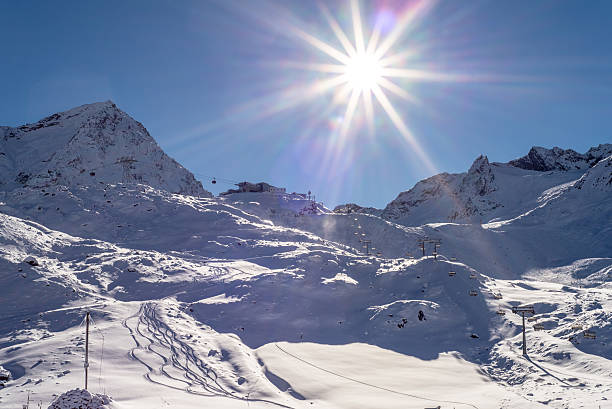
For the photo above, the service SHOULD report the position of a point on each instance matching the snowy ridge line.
(371, 385)
(29, 314)
(161, 335)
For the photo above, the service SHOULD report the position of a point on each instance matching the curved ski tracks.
(197, 377)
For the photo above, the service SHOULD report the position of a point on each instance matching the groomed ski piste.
(259, 300)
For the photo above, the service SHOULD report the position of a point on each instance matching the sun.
(363, 72)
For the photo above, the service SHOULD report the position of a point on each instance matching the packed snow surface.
(270, 300)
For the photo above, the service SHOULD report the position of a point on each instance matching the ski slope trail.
(172, 362)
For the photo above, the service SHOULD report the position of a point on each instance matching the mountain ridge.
(91, 143)
(214, 292)
(477, 194)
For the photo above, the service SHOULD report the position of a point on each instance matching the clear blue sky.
(202, 77)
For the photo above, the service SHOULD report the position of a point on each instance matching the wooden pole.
(86, 365)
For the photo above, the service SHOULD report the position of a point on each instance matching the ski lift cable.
(217, 179)
(372, 385)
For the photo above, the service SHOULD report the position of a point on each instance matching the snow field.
(238, 301)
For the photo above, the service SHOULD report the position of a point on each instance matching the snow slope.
(270, 300)
(237, 273)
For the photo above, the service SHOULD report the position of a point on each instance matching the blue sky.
(206, 78)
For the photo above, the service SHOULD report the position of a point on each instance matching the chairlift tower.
(367, 246)
(524, 310)
(436, 243)
(422, 242)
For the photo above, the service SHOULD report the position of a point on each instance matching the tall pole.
(524, 310)
(86, 365)
(367, 246)
(524, 337)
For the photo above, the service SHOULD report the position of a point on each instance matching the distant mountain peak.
(92, 143)
(480, 178)
(480, 165)
(543, 159)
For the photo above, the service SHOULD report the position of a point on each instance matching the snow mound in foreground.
(80, 399)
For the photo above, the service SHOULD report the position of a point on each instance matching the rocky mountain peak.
(93, 143)
(480, 178)
(543, 159)
(480, 165)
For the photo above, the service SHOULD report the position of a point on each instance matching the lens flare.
(364, 68)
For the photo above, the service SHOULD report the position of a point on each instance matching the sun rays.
(362, 72)
(348, 75)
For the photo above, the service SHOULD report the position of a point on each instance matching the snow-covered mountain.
(269, 299)
(448, 197)
(543, 160)
(355, 208)
(493, 190)
(94, 143)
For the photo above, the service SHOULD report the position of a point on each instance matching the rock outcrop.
(543, 160)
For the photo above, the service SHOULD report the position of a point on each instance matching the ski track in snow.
(196, 374)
